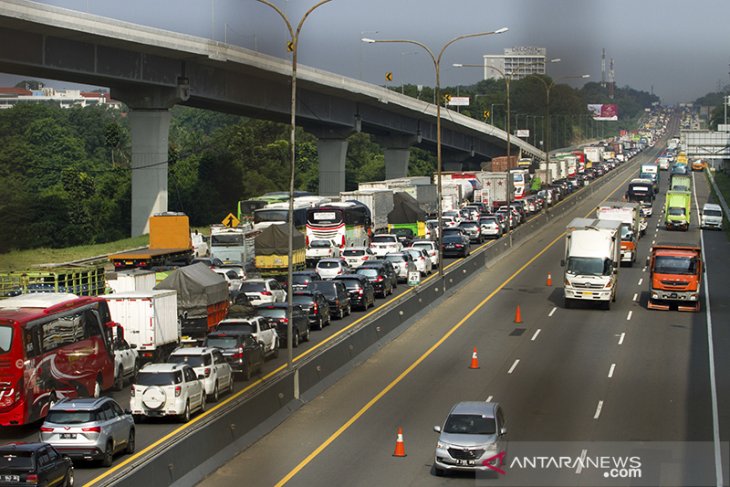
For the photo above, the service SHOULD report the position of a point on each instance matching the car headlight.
(441, 445)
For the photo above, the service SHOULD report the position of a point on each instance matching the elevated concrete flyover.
(151, 70)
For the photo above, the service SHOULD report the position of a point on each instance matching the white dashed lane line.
(641, 281)
(552, 311)
(489, 399)
(628, 317)
(535, 335)
(514, 365)
(621, 338)
(636, 296)
(610, 371)
(598, 410)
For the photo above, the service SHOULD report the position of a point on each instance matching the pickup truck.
(256, 326)
(321, 249)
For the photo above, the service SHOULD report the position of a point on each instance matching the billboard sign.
(459, 101)
(604, 111)
(522, 133)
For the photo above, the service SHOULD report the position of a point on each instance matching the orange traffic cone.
(400, 448)
(549, 280)
(518, 315)
(474, 360)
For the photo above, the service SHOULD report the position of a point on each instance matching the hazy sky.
(678, 48)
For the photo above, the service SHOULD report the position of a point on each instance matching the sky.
(677, 49)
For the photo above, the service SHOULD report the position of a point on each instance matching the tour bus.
(347, 224)
(246, 208)
(278, 213)
(52, 346)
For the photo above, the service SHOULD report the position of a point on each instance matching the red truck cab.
(676, 277)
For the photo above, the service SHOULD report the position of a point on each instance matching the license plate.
(68, 436)
(10, 478)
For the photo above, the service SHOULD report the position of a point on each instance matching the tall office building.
(516, 62)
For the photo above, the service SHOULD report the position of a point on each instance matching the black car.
(337, 297)
(243, 353)
(453, 245)
(390, 270)
(378, 277)
(34, 464)
(276, 314)
(315, 305)
(301, 279)
(458, 232)
(362, 293)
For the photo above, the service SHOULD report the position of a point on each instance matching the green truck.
(677, 210)
(680, 182)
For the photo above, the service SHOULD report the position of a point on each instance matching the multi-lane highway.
(582, 382)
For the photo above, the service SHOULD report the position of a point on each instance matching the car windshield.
(253, 287)
(452, 239)
(6, 338)
(675, 265)
(301, 279)
(16, 459)
(320, 244)
(328, 264)
(423, 245)
(367, 272)
(221, 341)
(626, 233)
(470, 424)
(353, 253)
(272, 312)
(706, 213)
(676, 211)
(237, 326)
(191, 360)
(351, 283)
(588, 266)
(394, 258)
(158, 378)
(383, 239)
(72, 417)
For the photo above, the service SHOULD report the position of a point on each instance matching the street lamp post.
(437, 67)
(292, 46)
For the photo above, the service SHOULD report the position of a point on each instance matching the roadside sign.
(231, 221)
(414, 278)
(389, 76)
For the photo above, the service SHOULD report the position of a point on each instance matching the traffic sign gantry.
(231, 221)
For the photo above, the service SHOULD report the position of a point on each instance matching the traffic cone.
(400, 448)
(518, 315)
(474, 360)
(549, 280)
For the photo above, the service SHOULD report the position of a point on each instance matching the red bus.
(52, 346)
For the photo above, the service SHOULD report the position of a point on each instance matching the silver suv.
(471, 439)
(89, 429)
(167, 390)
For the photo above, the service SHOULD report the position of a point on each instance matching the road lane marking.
(489, 399)
(598, 410)
(628, 317)
(375, 399)
(641, 281)
(579, 468)
(610, 371)
(621, 338)
(711, 353)
(653, 242)
(552, 311)
(636, 296)
(535, 335)
(514, 365)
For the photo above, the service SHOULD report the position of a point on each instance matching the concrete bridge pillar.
(149, 121)
(397, 152)
(332, 154)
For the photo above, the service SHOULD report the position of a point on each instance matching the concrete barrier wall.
(208, 445)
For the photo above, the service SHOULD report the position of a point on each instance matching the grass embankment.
(722, 181)
(27, 259)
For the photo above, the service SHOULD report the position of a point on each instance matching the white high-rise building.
(516, 62)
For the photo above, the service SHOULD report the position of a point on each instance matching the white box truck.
(131, 280)
(379, 201)
(592, 261)
(629, 214)
(149, 320)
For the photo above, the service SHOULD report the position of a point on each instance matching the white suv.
(210, 364)
(167, 390)
(357, 256)
(258, 327)
(431, 249)
(263, 291)
(385, 243)
(330, 268)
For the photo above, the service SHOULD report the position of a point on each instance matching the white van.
(711, 216)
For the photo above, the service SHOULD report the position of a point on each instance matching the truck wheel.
(295, 338)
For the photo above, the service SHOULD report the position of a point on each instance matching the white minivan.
(711, 216)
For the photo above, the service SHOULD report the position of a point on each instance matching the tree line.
(67, 172)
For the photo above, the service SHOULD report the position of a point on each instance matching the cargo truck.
(680, 182)
(677, 208)
(170, 244)
(203, 299)
(494, 188)
(233, 245)
(591, 261)
(676, 276)
(650, 171)
(629, 214)
(149, 320)
(272, 251)
(378, 201)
